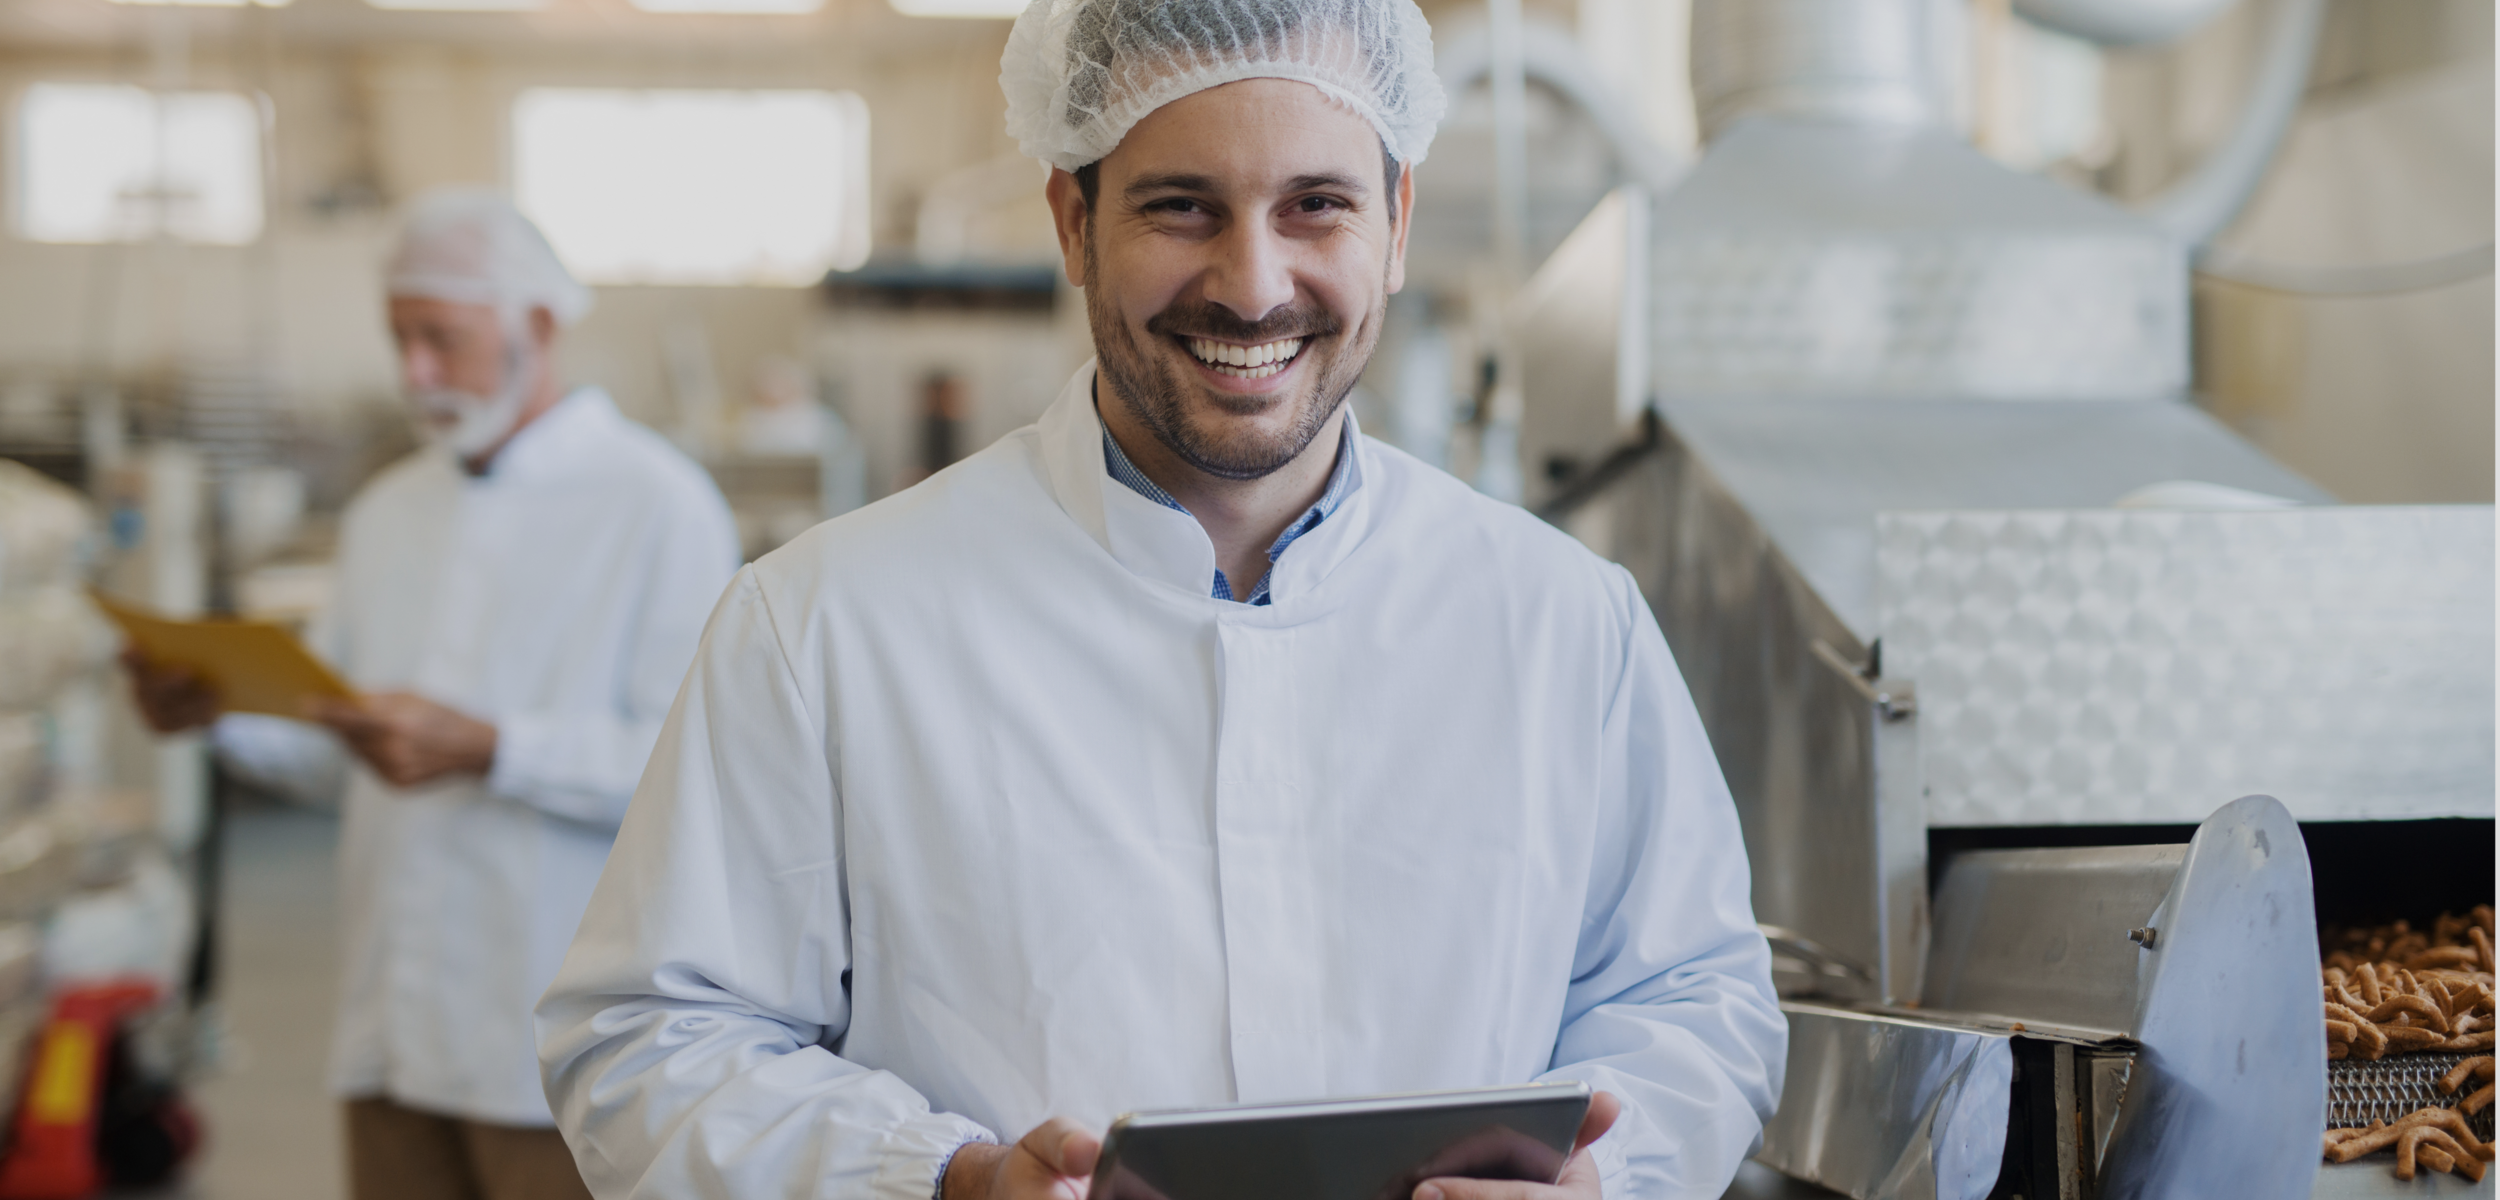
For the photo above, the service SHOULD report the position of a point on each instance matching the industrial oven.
(2057, 715)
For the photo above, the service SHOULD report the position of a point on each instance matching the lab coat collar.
(1169, 547)
(544, 445)
(1312, 555)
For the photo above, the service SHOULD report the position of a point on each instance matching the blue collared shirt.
(1339, 480)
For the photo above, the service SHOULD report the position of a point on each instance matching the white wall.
(391, 120)
(1011, 365)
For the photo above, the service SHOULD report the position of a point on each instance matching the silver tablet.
(1372, 1148)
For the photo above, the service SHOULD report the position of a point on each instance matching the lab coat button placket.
(1250, 807)
(1240, 1010)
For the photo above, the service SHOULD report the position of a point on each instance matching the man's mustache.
(444, 405)
(1207, 320)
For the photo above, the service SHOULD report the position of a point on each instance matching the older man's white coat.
(976, 809)
(559, 598)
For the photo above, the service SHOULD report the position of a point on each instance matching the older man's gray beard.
(468, 424)
(1157, 396)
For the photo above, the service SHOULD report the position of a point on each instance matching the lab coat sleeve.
(1670, 1006)
(298, 760)
(685, 1043)
(582, 764)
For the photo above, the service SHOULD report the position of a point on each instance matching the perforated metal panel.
(1822, 258)
(2138, 667)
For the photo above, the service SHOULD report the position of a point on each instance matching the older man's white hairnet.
(1079, 73)
(470, 246)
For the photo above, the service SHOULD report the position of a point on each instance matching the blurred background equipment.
(105, 1006)
(941, 422)
(1971, 384)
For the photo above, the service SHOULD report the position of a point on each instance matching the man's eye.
(1178, 206)
(1318, 204)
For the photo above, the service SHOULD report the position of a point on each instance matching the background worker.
(1183, 748)
(517, 603)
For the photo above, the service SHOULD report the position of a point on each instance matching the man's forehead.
(1249, 134)
(408, 306)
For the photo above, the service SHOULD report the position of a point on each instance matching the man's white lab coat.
(976, 809)
(559, 598)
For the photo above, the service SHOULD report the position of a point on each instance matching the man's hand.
(1054, 1162)
(170, 698)
(1579, 1175)
(408, 739)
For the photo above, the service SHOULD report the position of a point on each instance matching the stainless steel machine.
(2027, 675)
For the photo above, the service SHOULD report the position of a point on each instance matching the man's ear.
(542, 328)
(1405, 221)
(1068, 214)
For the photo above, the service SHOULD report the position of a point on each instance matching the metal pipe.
(1550, 56)
(1510, 140)
(2123, 22)
(2197, 208)
(2370, 279)
(1872, 61)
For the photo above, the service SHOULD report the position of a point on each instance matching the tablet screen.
(1376, 1148)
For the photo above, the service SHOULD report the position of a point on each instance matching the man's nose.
(420, 369)
(1253, 274)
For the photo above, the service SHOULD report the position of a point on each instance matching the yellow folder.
(255, 667)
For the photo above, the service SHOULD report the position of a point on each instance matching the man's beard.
(468, 424)
(1155, 393)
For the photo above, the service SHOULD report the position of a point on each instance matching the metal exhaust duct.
(1839, 239)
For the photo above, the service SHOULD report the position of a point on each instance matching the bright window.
(102, 163)
(959, 8)
(695, 187)
(460, 5)
(764, 7)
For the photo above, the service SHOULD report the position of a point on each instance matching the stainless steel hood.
(1814, 472)
(1840, 240)
(1830, 256)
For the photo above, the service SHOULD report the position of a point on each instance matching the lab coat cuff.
(937, 1190)
(916, 1151)
(520, 755)
(252, 741)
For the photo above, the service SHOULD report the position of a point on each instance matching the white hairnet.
(471, 246)
(1079, 73)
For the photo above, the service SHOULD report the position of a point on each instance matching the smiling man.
(1184, 748)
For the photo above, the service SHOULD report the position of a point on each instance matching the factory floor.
(273, 1130)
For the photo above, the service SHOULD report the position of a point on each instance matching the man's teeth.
(1246, 362)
